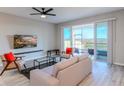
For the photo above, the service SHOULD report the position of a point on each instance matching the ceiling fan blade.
(35, 14)
(36, 10)
(48, 10)
(51, 14)
(43, 9)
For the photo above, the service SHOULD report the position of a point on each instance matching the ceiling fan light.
(43, 16)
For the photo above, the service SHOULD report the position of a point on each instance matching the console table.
(27, 52)
(53, 54)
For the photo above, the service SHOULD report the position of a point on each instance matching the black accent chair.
(91, 51)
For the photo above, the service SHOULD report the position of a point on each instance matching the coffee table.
(40, 60)
(46, 59)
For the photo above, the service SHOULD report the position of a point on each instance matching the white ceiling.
(63, 14)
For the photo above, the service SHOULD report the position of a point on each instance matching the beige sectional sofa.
(67, 72)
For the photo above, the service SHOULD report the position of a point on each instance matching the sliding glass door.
(90, 38)
(83, 37)
(77, 38)
(101, 41)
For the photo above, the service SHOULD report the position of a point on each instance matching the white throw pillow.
(63, 64)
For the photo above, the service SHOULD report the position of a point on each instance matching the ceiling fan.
(43, 12)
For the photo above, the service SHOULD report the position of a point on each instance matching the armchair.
(11, 62)
(67, 54)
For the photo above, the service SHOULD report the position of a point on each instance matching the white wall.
(11, 25)
(119, 45)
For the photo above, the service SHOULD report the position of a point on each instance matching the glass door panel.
(88, 37)
(83, 37)
(101, 41)
(77, 37)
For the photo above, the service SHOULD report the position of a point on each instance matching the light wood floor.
(105, 75)
(102, 75)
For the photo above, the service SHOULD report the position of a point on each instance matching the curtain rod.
(108, 19)
(96, 21)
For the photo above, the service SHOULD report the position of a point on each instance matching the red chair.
(69, 51)
(9, 58)
(66, 54)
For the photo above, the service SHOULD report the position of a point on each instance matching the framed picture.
(25, 41)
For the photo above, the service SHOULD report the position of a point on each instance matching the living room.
(47, 36)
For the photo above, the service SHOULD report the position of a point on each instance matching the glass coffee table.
(40, 61)
(44, 60)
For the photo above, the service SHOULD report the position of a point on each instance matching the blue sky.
(67, 33)
(102, 30)
(88, 32)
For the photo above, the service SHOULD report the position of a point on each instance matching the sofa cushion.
(83, 56)
(74, 74)
(63, 64)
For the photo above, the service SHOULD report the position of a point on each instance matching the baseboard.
(120, 64)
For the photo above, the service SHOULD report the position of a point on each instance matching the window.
(101, 35)
(83, 37)
(101, 40)
(67, 37)
(88, 36)
(77, 37)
